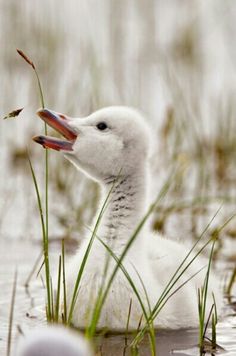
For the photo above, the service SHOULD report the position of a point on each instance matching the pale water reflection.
(172, 59)
(30, 310)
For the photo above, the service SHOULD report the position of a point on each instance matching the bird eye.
(102, 126)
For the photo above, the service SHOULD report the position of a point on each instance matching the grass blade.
(46, 222)
(11, 316)
(45, 242)
(128, 318)
(231, 282)
(57, 306)
(174, 279)
(28, 279)
(145, 313)
(80, 273)
(64, 283)
(99, 305)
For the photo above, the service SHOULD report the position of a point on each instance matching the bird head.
(111, 140)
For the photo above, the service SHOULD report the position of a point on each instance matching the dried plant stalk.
(23, 55)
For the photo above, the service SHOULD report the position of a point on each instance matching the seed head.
(21, 53)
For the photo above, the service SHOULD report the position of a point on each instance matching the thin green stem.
(44, 223)
(81, 270)
(47, 266)
(45, 241)
(135, 290)
(11, 316)
(174, 279)
(52, 300)
(231, 282)
(40, 89)
(42, 101)
(57, 306)
(101, 301)
(64, 283)
(128, 318)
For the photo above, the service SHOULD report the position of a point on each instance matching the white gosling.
(53, 341)
(112, 146)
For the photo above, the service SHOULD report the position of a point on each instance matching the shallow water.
(29, 310)
(157, 56)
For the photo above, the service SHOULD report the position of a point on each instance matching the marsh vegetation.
(174, 60)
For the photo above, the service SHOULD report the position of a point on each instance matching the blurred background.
(172, 59)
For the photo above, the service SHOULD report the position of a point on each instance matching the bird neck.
(126, 207)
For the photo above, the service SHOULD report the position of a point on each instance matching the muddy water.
(29, 310)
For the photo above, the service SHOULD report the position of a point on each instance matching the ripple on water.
(29, 310)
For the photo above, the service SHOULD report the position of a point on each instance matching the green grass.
(148, 314)
(64, 313)
(127, 323)
(182, 68)
(44, 216)
(53, 310)
(231, 282)
(202, 301)
(11, 316)
(34, 269)
(168, 290)
(58, 292)
(103, 295)
(202, 304)
(45, 245)
(214, 321)
(166, 295)
(86, 255)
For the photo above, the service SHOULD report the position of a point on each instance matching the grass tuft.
(58, 291)
(202, 304)
(231, 282)
(101, 299)
(64, 315)
(86, 255)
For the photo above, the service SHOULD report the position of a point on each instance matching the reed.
(202, 304)
(64, 315)
(86, 255)
(231, 282)
(11, 315)
(44, 216)
(101, 299)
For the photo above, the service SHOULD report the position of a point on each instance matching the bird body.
(150, 263)
(112, 146)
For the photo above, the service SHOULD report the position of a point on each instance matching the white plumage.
(53, 341)
(112, 146)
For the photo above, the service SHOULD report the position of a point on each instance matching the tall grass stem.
(11, 316)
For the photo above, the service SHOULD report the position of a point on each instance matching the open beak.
(60, 123)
